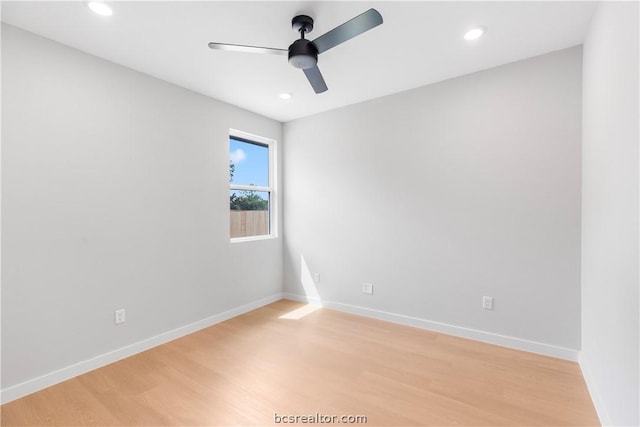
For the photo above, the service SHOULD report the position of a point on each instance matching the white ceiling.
(419, 43)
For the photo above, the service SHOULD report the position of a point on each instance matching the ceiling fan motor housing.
(303, 54)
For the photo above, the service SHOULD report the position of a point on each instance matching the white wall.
(610, 323)
(443, 194)
(114, 195)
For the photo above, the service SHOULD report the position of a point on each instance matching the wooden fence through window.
(249, 223)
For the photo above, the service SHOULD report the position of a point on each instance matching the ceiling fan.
(304, 53)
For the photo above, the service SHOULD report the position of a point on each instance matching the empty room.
(332, 212)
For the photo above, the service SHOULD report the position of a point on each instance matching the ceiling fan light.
(475, 33)
(285, 95)
(100, 8)
(303, 61)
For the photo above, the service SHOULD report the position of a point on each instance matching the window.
(251, 186)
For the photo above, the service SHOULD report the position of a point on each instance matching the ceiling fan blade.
(249, 49)
(356, 26)
(315, 78)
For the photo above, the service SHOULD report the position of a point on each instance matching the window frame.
(271, 145)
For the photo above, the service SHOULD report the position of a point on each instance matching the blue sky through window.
(251, 163)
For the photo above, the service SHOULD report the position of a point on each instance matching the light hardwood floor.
(248, 369)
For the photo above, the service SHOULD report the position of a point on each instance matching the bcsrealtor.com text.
(319, 418)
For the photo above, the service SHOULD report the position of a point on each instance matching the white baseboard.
(31, 386)
(598, 403)
(459, 331)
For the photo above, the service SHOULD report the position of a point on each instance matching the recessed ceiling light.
(475, 33)
(100, 8)
(285, 95)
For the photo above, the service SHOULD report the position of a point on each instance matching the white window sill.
(253, 238)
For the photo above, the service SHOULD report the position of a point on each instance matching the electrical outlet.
(316, 278)
(487, 303)
(119, 316)
(367, 288)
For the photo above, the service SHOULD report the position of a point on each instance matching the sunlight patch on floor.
(301, 312)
